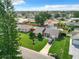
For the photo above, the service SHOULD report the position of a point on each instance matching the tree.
(57, 15)
(8, 33)
(62, 19)
(76, 14)
(40, 38)
(41, 17)
(32, 36)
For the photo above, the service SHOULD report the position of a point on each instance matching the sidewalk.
(45, 50)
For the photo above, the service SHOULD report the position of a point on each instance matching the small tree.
(32, 36)
(40, 38)
(62, 19)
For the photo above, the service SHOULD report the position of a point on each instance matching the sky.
(45, 5)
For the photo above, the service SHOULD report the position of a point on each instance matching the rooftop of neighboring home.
(74, 18)
(73, 22)
(74, 45)
(23, 20)
(39, 30)
(51, 22)
(75, 34)
(76, 29)
(71, 19)
(75, 39)
(24, 27)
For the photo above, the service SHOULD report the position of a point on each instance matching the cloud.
(74, 7)
(61, 7)
(18, 2)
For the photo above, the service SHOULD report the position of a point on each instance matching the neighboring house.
(76, 29)
(72, 19)
(31, 20)
(74, 45)
(24, 27)
(51, 22)
(24, 20)
(73, 22)
(75, 38)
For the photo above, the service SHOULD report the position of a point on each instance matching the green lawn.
(61, 48)
(26, 42)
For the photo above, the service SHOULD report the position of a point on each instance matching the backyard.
(27, 42)
(61, 48)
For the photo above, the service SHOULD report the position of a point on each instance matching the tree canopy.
(41, 17)
(76, 14)
(57, 15)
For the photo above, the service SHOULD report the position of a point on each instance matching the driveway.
(30, 54)
(74, 51)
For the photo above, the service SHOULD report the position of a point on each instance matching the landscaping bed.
(25, 41)
(61, 48)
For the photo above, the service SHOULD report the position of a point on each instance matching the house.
(76, 29)
(74, 19)
(51, 22)
(31, 19)
(24, 20)
(24, 27)
(21, 20)
(48, 32)
(52, 33)
(74, 45)
(75, 38)
(73, 22)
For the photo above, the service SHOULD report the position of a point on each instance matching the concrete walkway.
(45, 50)
(74, 51)
(31, 54)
